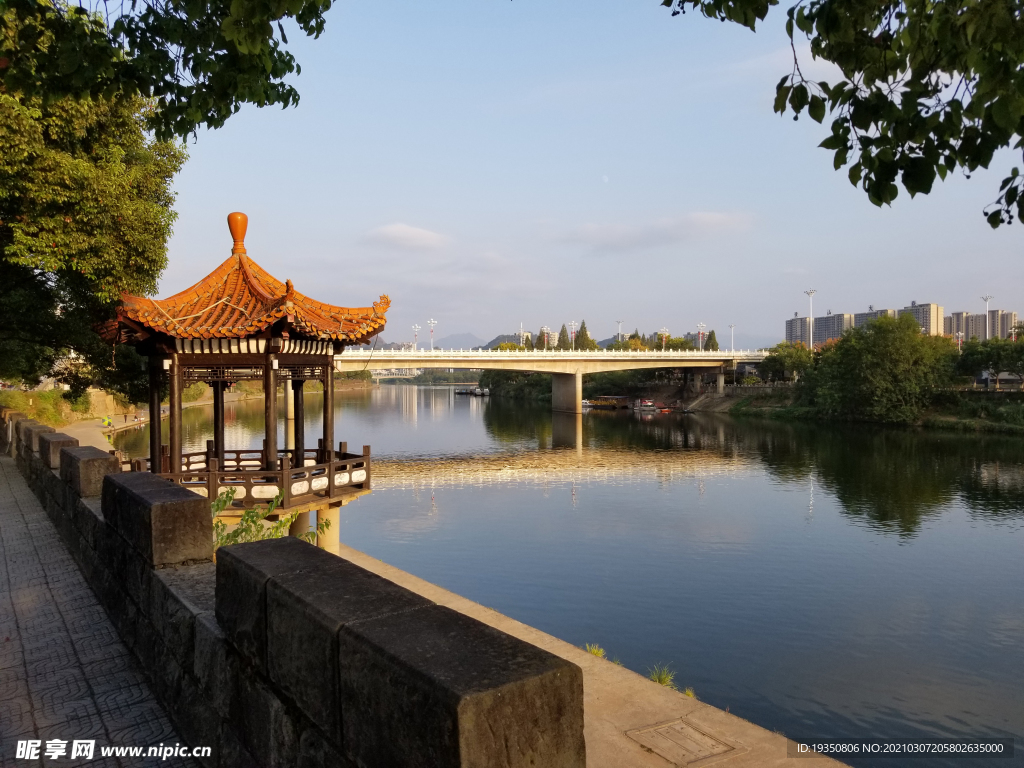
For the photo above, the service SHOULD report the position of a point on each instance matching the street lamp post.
(988, 329)
(732, 337)
(619, 336)
(545, 332)
(572, 334)
(664, 338)
(415, 337)
(810, 317)
(431, 322)
(959, 341)
(700, 336)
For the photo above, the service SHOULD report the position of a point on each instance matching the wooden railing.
(323, 475)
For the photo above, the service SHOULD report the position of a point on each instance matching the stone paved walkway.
(64, 672)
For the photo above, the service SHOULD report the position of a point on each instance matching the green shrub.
(251, 526)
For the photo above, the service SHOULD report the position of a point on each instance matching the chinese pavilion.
(241, 323)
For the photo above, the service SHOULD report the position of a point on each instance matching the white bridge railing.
(554, 354)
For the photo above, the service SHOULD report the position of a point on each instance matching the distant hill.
(606, 343)
(456, 341)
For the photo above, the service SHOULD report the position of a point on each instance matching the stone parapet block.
(84, 468)
(30, 435)
(435, 687)
(20, 425)
(50, 444)
(163, 522)
(306, 608)
(243, 571)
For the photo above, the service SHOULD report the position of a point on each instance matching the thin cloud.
(400, 235)
(655, 234)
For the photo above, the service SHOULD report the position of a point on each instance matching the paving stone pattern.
(64, 672)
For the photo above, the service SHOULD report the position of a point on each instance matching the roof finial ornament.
(238, 223)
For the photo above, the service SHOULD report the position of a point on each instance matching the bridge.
(566, 367)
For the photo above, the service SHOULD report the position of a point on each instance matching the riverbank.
(969, 411)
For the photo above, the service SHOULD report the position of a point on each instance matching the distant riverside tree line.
(583, 341)
(887, 370)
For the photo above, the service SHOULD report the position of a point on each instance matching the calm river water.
(824, 582)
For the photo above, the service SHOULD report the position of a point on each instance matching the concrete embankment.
(281, 654)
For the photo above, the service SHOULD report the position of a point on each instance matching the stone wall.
(281, 654)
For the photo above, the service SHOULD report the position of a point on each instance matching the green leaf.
(816, 109)
(781, 95)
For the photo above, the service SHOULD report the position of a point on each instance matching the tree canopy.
(583, 339)
(926, 88)
(564, 342)
(786, 358)
(85, 213)
(200, 61)
(711, 341)
(885, 371)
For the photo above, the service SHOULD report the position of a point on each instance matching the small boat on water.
(475, 391)
(645, 405)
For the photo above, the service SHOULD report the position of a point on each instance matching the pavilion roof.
(240, 299)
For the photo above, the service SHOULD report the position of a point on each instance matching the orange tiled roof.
(241, 299)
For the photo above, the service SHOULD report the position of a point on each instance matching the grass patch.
(50, 408)
(595, 650)
(663, 675)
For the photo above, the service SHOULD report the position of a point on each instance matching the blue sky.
(491, 164)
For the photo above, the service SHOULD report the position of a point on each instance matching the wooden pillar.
(298, 397)
(270, 412)
(328, 409)
(175, 414)
(218, 420)
(155, 370)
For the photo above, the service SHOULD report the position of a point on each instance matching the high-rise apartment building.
(1007, 322)
(997, 324)
(928, 316)
(955, 323)
(863, 318)
(798, 330)
(831, 326)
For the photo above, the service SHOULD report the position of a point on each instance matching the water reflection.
(892, 480)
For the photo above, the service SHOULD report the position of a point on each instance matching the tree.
(564, 342)
(508, 346)
(926, 88)
(200, 61)
(786, 358)
(542, 340)
(884, 371)
(529, 342)
(679, 343)
(85, 213)
(583, 340)
(711, 342)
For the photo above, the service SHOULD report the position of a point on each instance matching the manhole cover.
(682, 743)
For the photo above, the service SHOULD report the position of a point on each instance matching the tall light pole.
(664, 338)
(810, 317)
(619, 336)
(572, 334)
(415, 337)
(545, 332)
(988, 329)
(700, 336)
(959, 341)
(431, 322)
(732, 337)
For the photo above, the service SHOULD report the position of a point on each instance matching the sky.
(524, 162)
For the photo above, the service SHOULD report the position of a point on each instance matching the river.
(821, 581)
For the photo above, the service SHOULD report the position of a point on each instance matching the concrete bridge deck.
(567, 367)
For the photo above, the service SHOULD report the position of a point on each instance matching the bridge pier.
(567, 392)
(721, 381)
